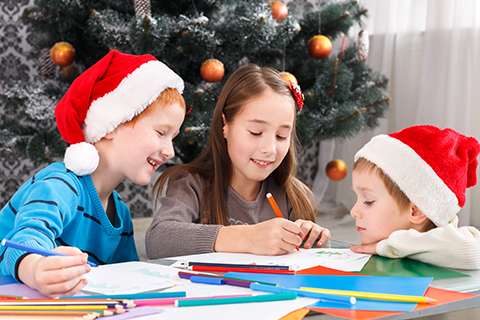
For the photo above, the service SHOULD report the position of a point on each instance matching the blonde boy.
(410, 185)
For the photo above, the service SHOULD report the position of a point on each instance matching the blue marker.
(40, 251)
(207, 280)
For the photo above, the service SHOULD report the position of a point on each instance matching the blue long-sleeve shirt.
(57, 208)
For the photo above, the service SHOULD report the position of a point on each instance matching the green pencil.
(258, 298)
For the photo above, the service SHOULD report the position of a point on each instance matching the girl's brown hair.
(243, 86)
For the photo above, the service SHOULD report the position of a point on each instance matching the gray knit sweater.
(176, 228)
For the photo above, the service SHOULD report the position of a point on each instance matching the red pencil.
(224, 269)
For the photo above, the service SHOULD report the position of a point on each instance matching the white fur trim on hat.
(81, 158)
(131, 97)
(413, 176)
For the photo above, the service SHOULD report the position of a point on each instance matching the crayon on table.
(40, 251)
(376, 296)
(259, 298)
(305, 293)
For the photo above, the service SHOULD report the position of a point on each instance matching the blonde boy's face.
(376, 212)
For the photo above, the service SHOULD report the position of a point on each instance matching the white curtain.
(430, 50)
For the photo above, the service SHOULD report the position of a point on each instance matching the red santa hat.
(432, 167)
(112, 91)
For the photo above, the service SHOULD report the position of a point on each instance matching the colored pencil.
(231, 282)
(229, 265)
(217, 301)
(222, 269)
(134, 296)
(376, 296)
(52, 307)
(9, 297)
(110, 304)
(51, 313)
(235, 281)
(166, 301)
(40, 251)
(304, 293)
(275, 208)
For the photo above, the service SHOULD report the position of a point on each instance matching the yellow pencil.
(377, 296)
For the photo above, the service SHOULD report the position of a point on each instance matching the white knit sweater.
(450, 247)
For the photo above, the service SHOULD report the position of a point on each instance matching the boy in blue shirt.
(119, 117)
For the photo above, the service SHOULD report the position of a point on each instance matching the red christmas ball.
(71, 71)
(62, 54)
(212, 70)
(279, 10)
(336, 169)
(287, 76)
(319, 47)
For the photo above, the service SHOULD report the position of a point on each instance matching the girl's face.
(259, 137)
(376, 212)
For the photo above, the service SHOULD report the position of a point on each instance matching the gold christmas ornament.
(212, 70)
(62, 54)
(336, 169)
(319, 47)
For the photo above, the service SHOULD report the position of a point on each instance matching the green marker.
(215, 301)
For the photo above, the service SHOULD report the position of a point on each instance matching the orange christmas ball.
(62, 54)
(212, 70)
(319, 47)
(287, 76)
(279, 10)
(336, 169)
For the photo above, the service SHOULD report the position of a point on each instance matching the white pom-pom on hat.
(81, 158)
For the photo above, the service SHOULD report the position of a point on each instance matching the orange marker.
(276, 209)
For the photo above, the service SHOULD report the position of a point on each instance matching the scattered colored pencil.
(166, 301)
(235, 281)
(134, 296)
(229, 265)
(273, 203)
(223, 269)
(9, 297)
(377, 296)
(304, 293)
(40, 251)
(217, 301)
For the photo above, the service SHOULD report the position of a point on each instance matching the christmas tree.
(204, 41)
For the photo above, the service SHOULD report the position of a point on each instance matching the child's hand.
(273, 237)
(370, 248)
(55, 276)
(314, 232)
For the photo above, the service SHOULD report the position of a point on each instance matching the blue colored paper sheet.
(414, 286)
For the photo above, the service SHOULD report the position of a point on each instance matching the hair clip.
(297, 94)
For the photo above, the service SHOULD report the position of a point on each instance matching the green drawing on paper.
(328, 252)
(102, 285)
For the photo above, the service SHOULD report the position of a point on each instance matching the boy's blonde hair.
(363, 165)
(168, 97)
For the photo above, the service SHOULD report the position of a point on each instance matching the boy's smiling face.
(376, 212)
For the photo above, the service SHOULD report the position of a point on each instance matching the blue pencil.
(40, 251)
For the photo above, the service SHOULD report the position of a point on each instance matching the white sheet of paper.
(251, 311)
(130, 277)
(340, 259)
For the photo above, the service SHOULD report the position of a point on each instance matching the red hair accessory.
(297, 94)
